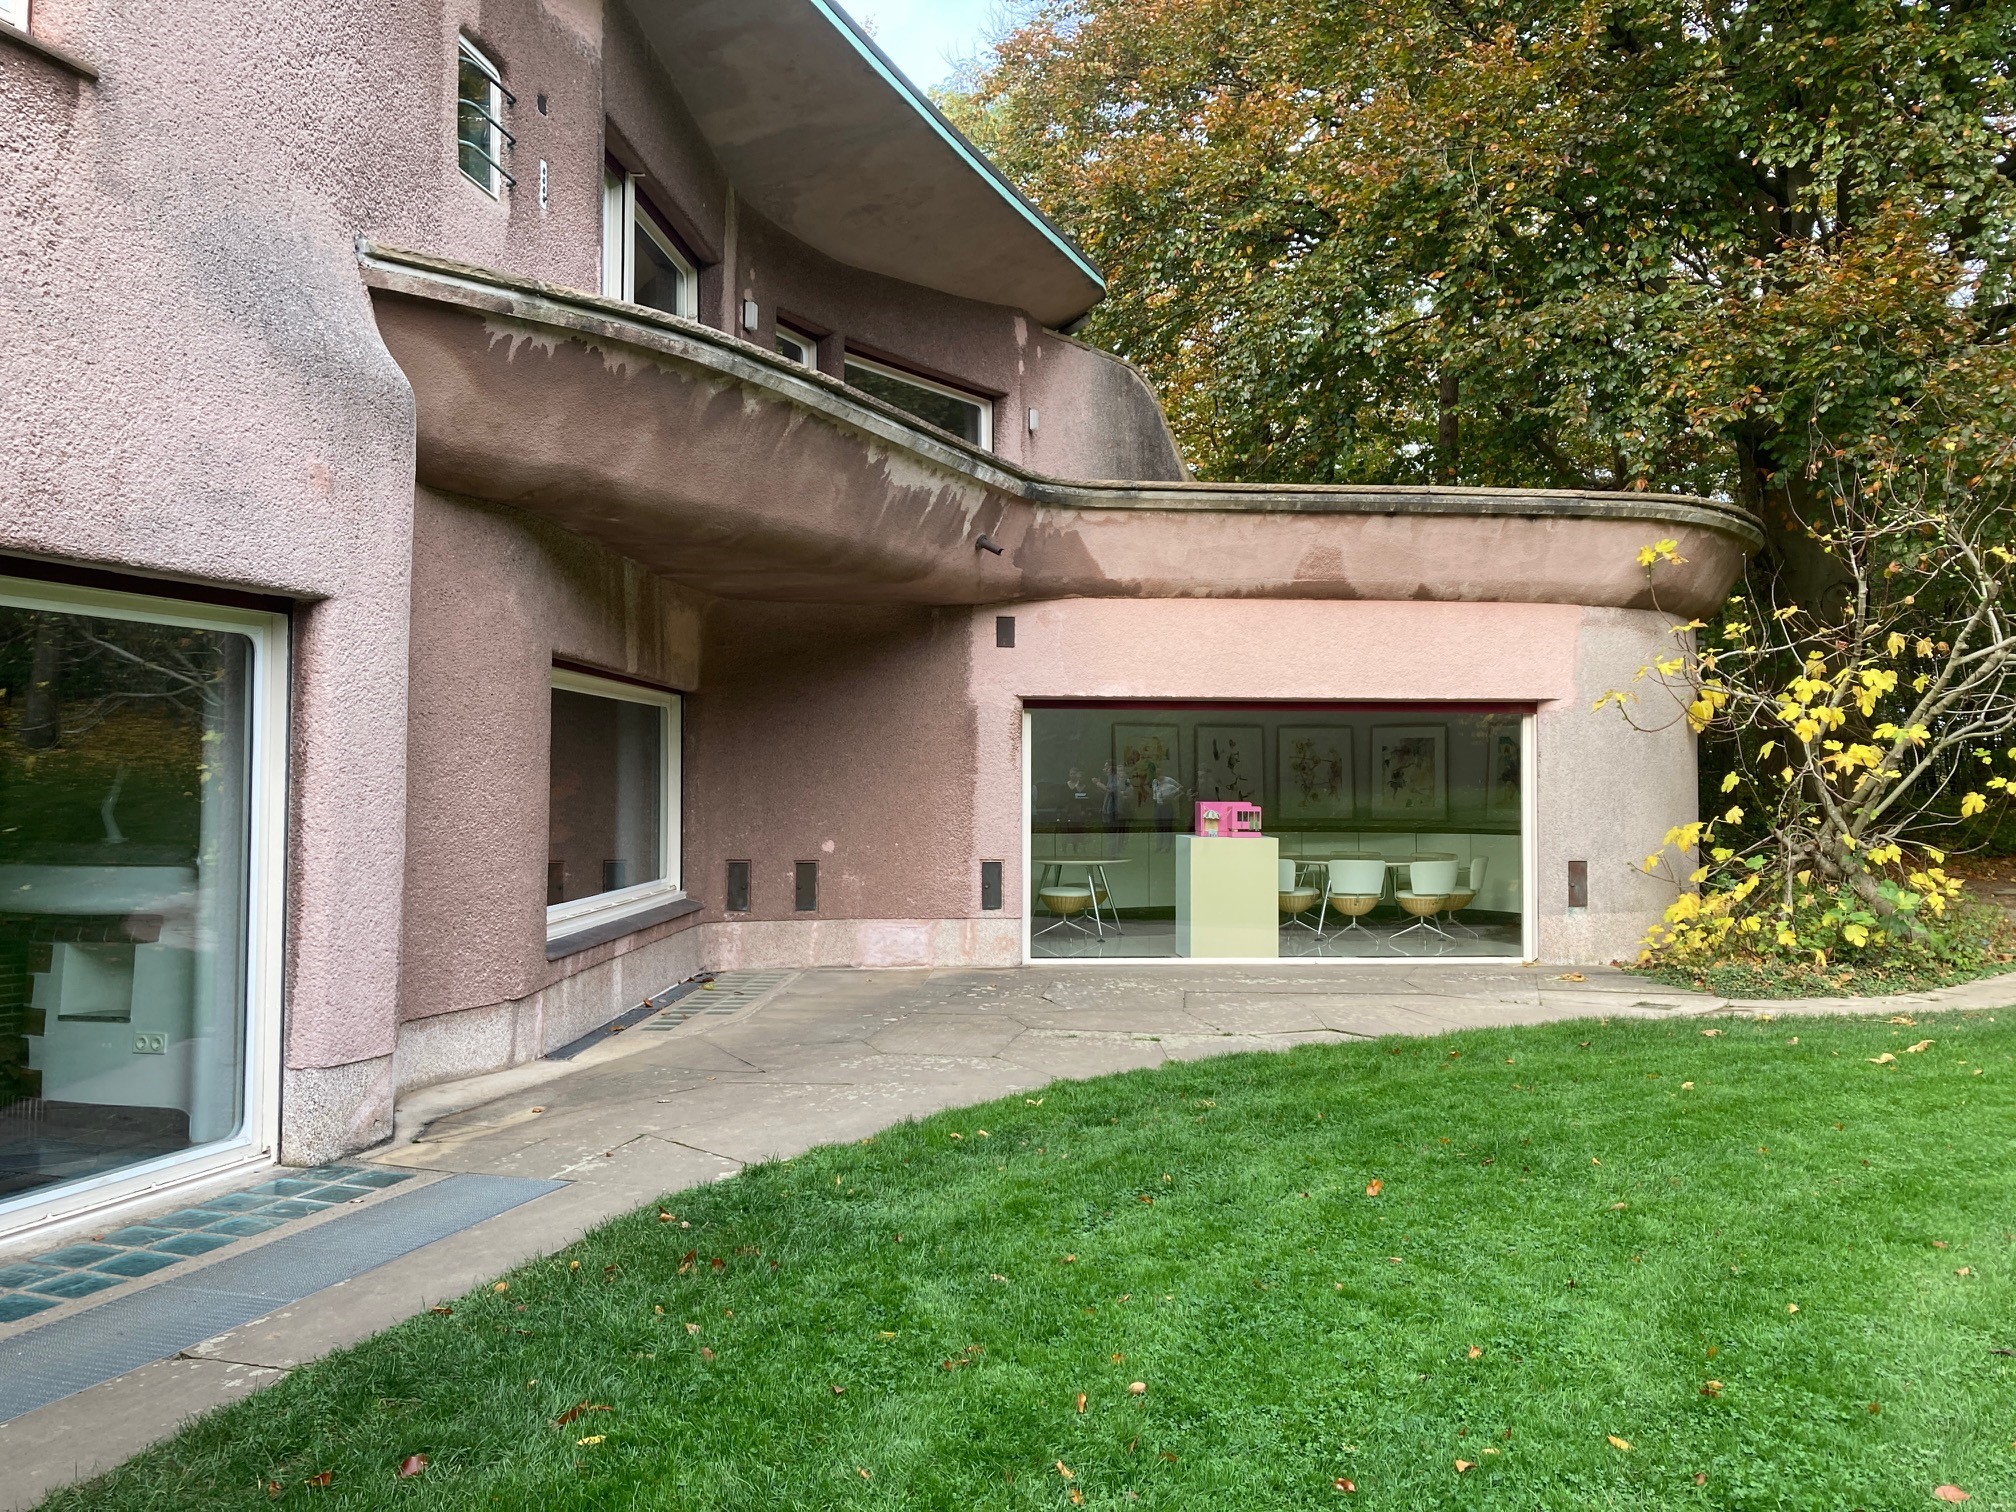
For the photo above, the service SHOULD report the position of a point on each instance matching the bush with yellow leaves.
(1858, 733)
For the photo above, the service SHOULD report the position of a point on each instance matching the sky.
(927, 38)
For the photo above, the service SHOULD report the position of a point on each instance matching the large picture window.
(1382, 831)
(139, 803)
(613, 815)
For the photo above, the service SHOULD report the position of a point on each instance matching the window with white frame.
(965, 415)
(480, 137)
(641, 262)
(800, 348)
(613, 809)
(14, 13)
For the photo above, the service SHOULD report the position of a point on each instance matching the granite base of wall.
(330, 1111)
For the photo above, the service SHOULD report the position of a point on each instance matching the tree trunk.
(1448, 428)
(1790, 506)
(42, 712)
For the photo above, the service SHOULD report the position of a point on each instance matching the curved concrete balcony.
(730, 469)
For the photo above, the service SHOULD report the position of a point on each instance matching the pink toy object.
(1228, 821)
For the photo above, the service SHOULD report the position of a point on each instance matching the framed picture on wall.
(1410, 772)
(1504, 752)
(1315, 775)
(1145, 769)
(1231, 763)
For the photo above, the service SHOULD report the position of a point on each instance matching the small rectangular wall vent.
(1578, 884)
(1004, 631)
(807, 887)
(735, 897)
(990, 886)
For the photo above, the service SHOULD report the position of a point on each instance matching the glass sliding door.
(133, 826)
(1384, 831)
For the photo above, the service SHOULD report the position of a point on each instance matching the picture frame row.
(1316, 777)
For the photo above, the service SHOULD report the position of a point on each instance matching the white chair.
(1068, 902)
(1356, 884)
(1468, 885)
(1431, 885)
(1297, 895)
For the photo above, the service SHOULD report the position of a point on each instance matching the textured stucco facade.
(459, 466)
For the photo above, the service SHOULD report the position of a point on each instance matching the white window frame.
(808, 348)
(495, 178)
(668, 887)
(14, 13)
(966, 396)
(257, 1138)
(622, 213)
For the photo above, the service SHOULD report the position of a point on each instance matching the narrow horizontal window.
(967, 416)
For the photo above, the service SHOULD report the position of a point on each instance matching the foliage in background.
(1655, 244)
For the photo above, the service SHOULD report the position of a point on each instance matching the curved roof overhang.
(824, 135)
(732, 470)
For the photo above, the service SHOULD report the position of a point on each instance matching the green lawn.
(1580, 1227)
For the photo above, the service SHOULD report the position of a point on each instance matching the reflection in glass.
(1353, 796)
(124, 818)
(660, 279)
(606, 818)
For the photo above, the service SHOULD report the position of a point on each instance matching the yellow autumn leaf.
(1972, 804)
(1618, 1444)
(1855, 934)
(1729, 783)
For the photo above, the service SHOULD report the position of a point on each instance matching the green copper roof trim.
(977, 161)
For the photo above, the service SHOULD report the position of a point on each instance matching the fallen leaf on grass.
(1700, 1479)
(1079, 1401)
(593, 1438)
(1374, 1187)
(574, 1412)
(1710, 1033)
(501, 1287)
(1905, 1019)
(1066, 1471)
(1965, 1270)
(1919, 1048)
(1463, 1465)
(1686, 1086)
(1711, 1389)
(1950, 1494)
(411, 1466)
(442, 1312)
(320, 1480)
(1345, 1484)
(1475, 1352)
(1791, 1307)
(1077, 1497)
(706, 1353)
(1137, 1388)
(1885, 1059)
(863, 1474)
(1618, 1444)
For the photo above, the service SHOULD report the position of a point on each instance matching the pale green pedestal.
(1228, 898)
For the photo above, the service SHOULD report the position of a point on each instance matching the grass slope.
(1571, 1242)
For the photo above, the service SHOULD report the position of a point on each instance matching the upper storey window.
(480, 137)
(965, 415)
(799, 347)
(640, 260)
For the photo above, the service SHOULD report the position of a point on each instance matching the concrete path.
(824, 1056)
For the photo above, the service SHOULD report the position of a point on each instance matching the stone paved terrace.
(756, 1067)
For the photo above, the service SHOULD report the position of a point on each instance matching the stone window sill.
(587, 933)
(61, 57)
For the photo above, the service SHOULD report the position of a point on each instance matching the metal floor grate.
(130, 1251)
(730, 992)
(122, 1334)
